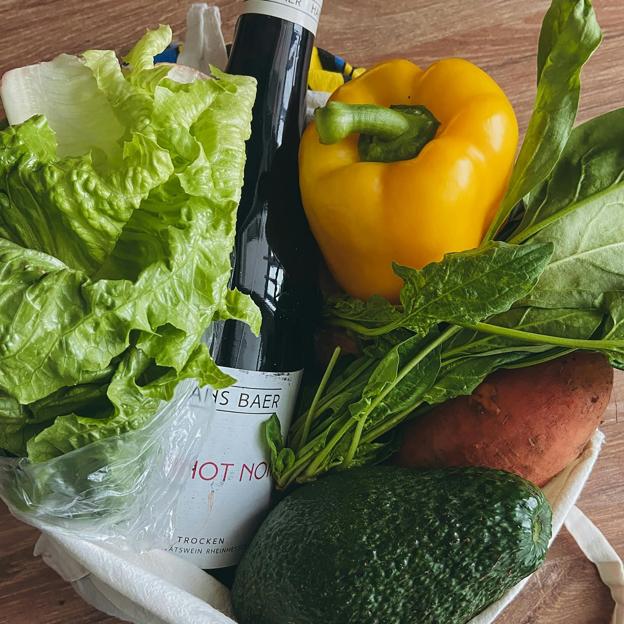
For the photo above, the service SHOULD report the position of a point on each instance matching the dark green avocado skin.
(388, 545)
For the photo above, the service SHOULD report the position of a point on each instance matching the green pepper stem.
(337, 121)
(386, 134)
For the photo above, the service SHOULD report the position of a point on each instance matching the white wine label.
(229, 485)
(303, 12)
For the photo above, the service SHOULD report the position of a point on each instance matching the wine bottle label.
(303, 12)
(229, 485)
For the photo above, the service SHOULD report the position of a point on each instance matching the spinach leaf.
(384, 374)
(580, 209)
(463, 287)
(470, 286)
(272, 431)
(460, 377)
(375, 311)
(570, 34)
(590, 169)
(407, 393)
(587, 258)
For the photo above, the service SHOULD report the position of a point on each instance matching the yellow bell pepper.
(416, 175)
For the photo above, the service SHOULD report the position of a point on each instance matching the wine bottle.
(276, 263)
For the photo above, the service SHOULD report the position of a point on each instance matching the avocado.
(389, 545)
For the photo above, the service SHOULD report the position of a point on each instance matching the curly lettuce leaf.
(74, 172)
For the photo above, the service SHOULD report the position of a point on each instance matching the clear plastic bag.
(121, 490)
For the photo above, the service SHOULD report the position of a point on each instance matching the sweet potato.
(532, 421)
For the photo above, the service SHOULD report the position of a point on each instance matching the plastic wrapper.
(121, 490)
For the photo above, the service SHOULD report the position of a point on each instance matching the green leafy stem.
(315, 454)
(309, 463)
(555, 341)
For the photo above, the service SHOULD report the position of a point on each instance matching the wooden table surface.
(499, 35)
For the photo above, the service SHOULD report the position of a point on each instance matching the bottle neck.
(277, 54)
(305, 13)
(272, 50)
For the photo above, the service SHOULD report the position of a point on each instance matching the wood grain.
(499, 35)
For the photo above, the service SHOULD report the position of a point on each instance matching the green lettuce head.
(118, 195)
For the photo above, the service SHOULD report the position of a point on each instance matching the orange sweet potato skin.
(532, 421)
